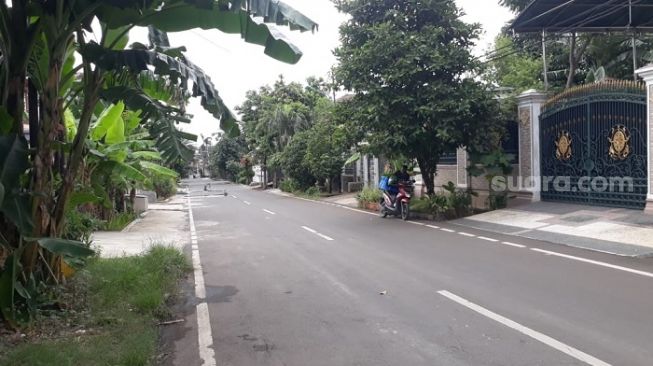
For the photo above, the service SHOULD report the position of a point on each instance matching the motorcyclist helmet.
(392, 181)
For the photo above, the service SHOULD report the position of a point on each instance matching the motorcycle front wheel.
(405, 211)
(382, 211)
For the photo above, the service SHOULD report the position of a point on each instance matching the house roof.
(585, 16)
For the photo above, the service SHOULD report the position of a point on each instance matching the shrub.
(289, 185)
(80, 225)
(312, 192)
(164, 187)
(369, 195)
(437, 204)
(119, 221)
(246, 174)
(460, 200)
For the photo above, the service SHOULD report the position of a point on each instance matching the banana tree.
(37, 40)
(123, 159)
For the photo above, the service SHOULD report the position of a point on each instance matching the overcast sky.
(236, 67)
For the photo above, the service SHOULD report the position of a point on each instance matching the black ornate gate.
(593, 145)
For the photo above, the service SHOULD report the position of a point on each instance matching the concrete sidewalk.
(615, 231)
(164, 223)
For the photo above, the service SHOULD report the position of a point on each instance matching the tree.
(226, 157)
(409, 64)
(328, 145)
(515, 70)
(274, 114)
(69, 65)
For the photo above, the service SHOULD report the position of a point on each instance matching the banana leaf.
(109, 124)
(238, 18)
(65, 247)
(13, 164)
(139, 60)
(158, 169)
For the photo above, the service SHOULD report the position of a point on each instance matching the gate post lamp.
(646, 73)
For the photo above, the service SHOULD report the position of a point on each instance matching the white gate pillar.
(366, 170)
(646, 73)
(529, 107)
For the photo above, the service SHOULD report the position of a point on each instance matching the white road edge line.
(466, 234)
(590, 261)
(270, 212)
(204, 335)
(487, 239)
(448, 230)
(513, 244)
(433, 226)
(318, 234)
(564, 348)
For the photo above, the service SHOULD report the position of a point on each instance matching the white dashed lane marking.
(487, 239)
(513, 244)
(268, 211)
(313, 231)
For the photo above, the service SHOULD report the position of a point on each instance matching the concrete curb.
(136, 220)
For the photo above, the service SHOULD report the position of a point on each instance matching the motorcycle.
(399, 204)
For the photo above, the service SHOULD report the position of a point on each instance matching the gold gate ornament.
(619, 142)
(563, 146)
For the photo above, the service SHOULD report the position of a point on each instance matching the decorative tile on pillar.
(462, 163)
(650, 138)
(525, 142)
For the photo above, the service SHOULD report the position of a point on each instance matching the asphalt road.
(292, 282)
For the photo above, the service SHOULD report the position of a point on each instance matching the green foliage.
(451, 203)
(327, 144)
(119, 221)
(110, 125)
(459, 200)
(65, 247)
(311, 192)
(289, 185)
(246, 174)
(80, 225)
(122, 299)
(226, 156)
(369, 195)
(292, 161)
(410, 66)
(13, 164)
(492, 165)
(72, 77)
(436, 204)
(514, 69)
(164, 187)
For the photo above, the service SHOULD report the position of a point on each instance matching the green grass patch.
(127, 297)
(119, 221)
